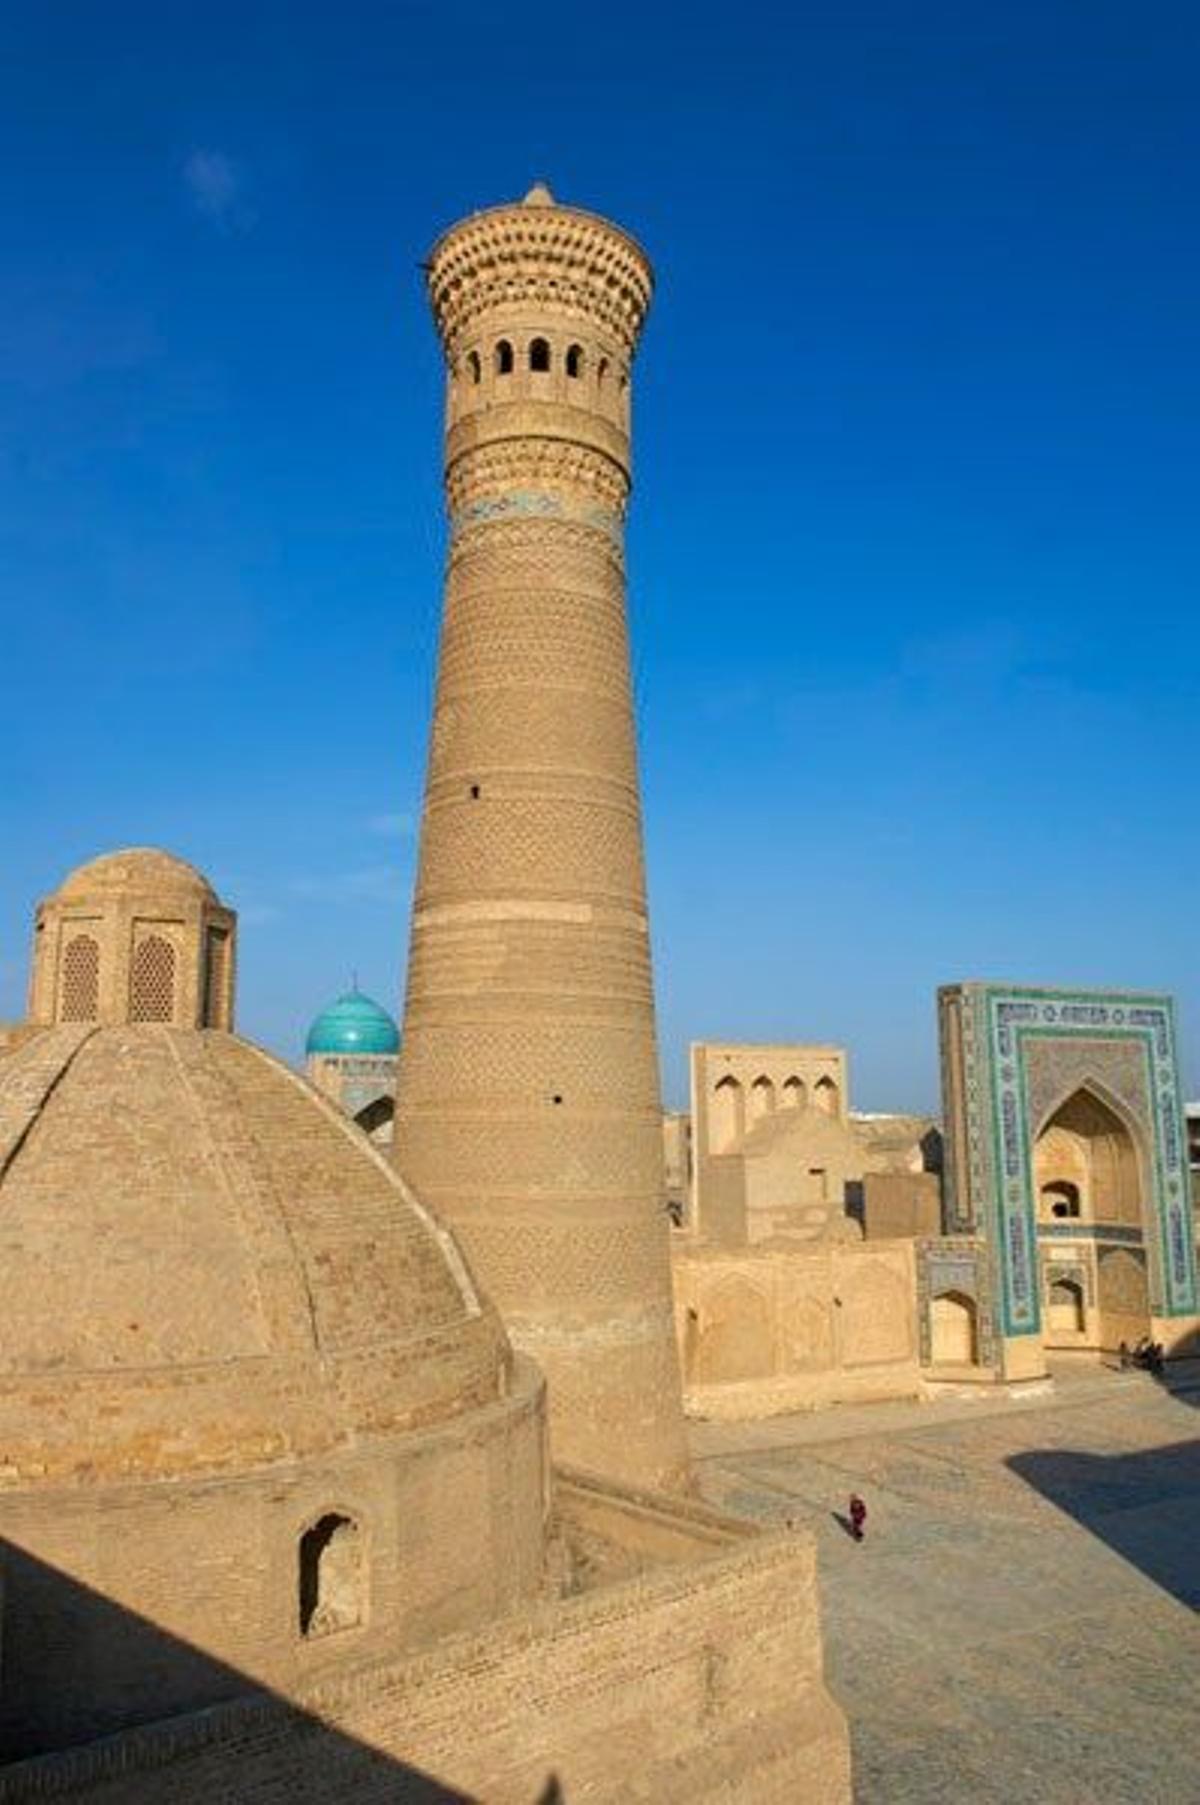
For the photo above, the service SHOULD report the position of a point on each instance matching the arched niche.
(735, 1341)
(954, 1330)
(1059, 1200)
(727, 1119)
(826, 1096)
(1086, 1162)
(762, 1098)
(1066, 1310)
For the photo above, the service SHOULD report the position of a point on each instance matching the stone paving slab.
(1020, 1624)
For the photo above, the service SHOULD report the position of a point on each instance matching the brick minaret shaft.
(528, 1106)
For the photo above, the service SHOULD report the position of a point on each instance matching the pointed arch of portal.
(1091, 1160)
(1089, 1144)
(1088, 1082)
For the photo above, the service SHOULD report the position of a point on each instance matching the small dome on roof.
(353, 1024)
(138, 868)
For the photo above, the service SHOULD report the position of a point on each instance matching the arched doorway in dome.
(331, 1576)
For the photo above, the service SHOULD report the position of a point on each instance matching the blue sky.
(914, 553)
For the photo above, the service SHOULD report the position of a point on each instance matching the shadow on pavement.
(1144, 1505)
(81, 1670)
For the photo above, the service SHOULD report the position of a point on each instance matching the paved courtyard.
(1020, 1623)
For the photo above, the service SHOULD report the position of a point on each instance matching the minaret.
(528, 1109)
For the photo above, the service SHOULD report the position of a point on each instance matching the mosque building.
(350, 1056)
(822, 1257)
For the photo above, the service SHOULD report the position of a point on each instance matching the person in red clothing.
(858, 1516)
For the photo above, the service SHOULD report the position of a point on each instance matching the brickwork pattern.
(527, 1097)
(696, 1681)
(283, 1282)
(126, 1602)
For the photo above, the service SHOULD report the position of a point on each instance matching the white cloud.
(216, 186)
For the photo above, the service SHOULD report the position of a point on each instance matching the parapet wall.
(123, 1604)
(699, 1680)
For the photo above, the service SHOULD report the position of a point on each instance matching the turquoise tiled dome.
(353, 1024)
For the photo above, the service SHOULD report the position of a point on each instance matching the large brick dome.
(251, 1401)
(207, 1267)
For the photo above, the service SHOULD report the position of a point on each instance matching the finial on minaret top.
(539, 196)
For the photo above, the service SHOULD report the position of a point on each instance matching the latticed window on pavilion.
(152, 981)
(81, 979)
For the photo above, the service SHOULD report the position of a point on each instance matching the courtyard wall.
(765, 1330)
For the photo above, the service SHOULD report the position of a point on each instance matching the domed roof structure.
(354, 1023)
(136, 868)
(207, 1267)
(135, 935)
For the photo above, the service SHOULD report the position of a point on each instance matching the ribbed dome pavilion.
(136, 935)
(354, 1023)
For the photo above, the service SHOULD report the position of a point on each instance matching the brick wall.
(123, 1603)
(699, 1681)
(767, 1330)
